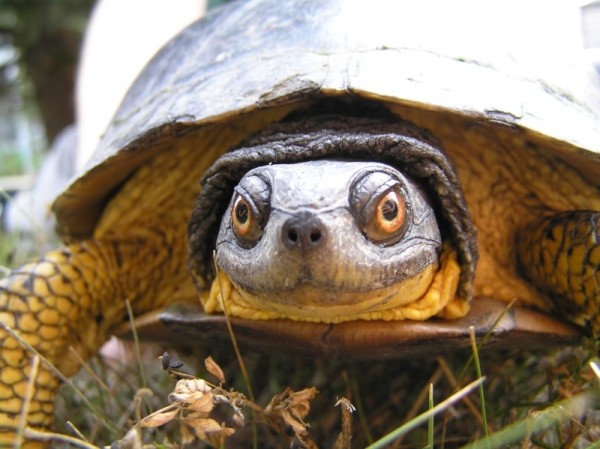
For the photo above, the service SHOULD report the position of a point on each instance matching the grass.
(522, 393)
(546, 399)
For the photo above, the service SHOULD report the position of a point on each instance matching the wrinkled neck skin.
(314, 256)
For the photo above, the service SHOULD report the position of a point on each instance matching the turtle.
(316, 171)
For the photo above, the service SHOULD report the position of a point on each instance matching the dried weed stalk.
(193, 400)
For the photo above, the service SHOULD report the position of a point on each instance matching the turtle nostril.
(315, 235)
(303, 231)
(292, 235)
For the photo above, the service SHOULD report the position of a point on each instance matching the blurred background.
(64, 68)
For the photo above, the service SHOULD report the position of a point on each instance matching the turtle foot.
(561, 257)
(27, 384)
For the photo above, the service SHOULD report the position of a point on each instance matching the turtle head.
(328, 239)
(335, 216)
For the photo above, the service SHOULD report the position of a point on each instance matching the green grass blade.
(595, 445)
(357, 402)
(539, 421)
(430, 423)
(136, 341)
(424, 417)
(478, 372)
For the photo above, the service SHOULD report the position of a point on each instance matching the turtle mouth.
(335, 271)
(429, 292)
(310, 298)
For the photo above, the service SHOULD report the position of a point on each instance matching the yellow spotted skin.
(54, 305)
(561, 256)
(75, 296)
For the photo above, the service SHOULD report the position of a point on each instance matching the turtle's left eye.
(245, 220)
(388, 217)
(379, 207)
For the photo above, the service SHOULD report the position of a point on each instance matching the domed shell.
(262, 53)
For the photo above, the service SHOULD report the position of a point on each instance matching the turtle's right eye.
(246, 220)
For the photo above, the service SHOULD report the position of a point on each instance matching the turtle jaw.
(387, 304)
(307, 301)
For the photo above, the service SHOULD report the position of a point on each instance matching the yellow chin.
(419, 298)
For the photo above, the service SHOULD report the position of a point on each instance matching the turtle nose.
(303, 231)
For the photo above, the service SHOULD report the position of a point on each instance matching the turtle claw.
(561, 257)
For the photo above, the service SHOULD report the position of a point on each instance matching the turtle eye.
(388, 216)
(379, 207)
(385, 220)
(245, 220)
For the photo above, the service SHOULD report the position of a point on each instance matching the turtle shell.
(290, 52)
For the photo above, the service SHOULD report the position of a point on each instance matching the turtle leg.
(72, 297)
(561, 257)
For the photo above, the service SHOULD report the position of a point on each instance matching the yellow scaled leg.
(72, 297)
(561, 257)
